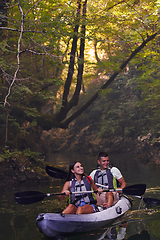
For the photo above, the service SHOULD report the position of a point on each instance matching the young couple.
(77, 181)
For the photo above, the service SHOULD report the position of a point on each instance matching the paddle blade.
(152, 201)
(28, 197)
(137, 189)
(56, 173)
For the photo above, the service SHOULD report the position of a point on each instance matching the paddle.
(148, 201)
(56, 173)
(29, 197)
(59, 173)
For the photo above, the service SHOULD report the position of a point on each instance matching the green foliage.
(29, 154)
(128, 108)
(20, 155)
(4, 47)
(123, 110)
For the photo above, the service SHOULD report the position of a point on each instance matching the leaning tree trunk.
(66, 104)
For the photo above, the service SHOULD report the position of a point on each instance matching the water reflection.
(116, 232)
(112, 234)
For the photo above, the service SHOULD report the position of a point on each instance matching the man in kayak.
(77, 181)
(107, 176)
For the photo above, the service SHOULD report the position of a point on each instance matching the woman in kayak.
(77, 181)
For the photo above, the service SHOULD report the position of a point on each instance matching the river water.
(17, 222)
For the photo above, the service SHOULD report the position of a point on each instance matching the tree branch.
(18, 59)
(75, 97)
(17, 30)
(111, 79)
(64, 109)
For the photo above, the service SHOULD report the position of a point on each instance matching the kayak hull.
(54, 224)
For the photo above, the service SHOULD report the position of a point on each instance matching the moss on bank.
(21, 167)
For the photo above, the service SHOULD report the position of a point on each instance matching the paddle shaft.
(149, 201)
(29, 197)
(105, 190)
(110, 190)
(100, 185)
(83, 192)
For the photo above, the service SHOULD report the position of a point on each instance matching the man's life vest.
(83, 185)
(105, 178)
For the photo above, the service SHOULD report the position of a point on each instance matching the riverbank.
(20, 170)
(146, 148)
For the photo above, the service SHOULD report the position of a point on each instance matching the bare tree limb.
(17, 30)
(18, 59)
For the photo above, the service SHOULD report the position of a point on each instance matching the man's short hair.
(102, 154)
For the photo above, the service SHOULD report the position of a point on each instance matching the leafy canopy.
(57, 55)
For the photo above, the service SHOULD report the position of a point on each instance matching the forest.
(68, 66)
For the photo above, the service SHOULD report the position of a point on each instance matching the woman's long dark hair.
(71, 174)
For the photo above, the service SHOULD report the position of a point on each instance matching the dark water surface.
(17, 222)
